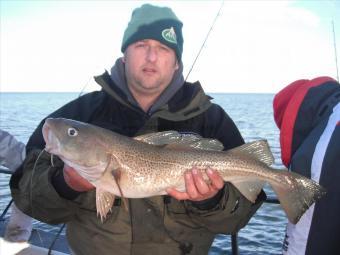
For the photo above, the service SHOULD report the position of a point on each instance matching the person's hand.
(197, 189)
(75, 181)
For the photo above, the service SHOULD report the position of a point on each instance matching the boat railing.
(2, 217)
(234, 239)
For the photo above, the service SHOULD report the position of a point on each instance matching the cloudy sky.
(255, 46)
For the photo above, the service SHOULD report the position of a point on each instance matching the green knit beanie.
(157, 23)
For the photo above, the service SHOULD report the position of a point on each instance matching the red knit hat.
(282, 99)
(286, 106)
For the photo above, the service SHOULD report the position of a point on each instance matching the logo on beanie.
(169, 35)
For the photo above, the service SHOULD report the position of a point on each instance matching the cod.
(147, 165)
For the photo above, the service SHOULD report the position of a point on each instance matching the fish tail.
(296, 193)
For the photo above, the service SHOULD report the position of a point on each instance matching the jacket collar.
(188, 101)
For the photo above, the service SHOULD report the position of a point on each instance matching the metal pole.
(5, 171)
(2, 217)
(234, 244)
(335, 53)
(55, 239)
(5, 211)
(272, 200)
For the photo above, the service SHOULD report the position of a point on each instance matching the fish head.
(78, 144)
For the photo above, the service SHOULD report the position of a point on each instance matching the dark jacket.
(308, 115)
(156, 225)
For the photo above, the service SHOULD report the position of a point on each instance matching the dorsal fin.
(257, 149)
(175, 140)
(205, 144)
(159, 138)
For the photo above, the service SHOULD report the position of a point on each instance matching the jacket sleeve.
(229, 210)
(12, 152)
(34, 194)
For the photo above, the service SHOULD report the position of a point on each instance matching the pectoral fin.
(110, 178)
(104, 202)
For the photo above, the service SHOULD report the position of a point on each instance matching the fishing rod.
(335, 52)
(84, 87)
(205, 40)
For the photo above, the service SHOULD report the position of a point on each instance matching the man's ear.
(123, 58)
(176, 65)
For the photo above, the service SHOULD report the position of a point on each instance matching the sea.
(20, 113)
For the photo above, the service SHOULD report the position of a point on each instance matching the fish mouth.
(51, 140)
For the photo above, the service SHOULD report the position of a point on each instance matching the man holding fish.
(154, 181)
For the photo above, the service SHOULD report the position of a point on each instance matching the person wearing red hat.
(307, 112)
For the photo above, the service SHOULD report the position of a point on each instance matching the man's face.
(149, 67)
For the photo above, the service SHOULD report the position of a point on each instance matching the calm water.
(20, 113)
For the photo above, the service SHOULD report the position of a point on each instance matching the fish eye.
(72, 132)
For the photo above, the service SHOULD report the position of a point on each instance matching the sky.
(253, 47)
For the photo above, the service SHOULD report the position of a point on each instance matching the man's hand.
(197, 189)
(75, 181)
